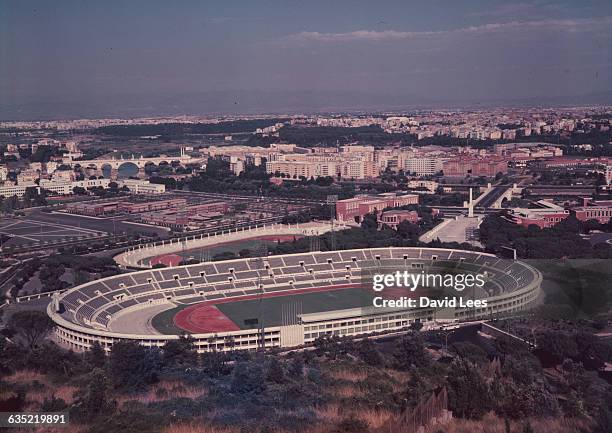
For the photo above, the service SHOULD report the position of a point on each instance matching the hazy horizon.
(70, 59)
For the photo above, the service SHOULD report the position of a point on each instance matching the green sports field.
(164, 321)
(240, 312)
(272, 308)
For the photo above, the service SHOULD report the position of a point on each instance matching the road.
(597, 238)
(495, 193)
(287, 200)
(108, 225)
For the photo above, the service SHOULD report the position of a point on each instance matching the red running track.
(205, 317)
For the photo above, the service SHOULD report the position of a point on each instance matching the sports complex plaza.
(275, 301)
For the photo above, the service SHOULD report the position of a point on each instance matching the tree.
(296, 367)
(554, 347)
(12, 356)
(96, 401)
(248, 378)
(31, 326)
(95, 356)
(410, 351)
(417, 388)
(215, 363)
(133, 366)
(275, 373)
(468, 393)
(407, 230)
(368, 353)
(180, 352)
(469, 351)
(369, 222)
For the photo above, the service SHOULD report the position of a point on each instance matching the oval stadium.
(276, 301)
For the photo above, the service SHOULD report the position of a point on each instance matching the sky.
(85, 58)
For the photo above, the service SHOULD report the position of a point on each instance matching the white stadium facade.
(121, 307)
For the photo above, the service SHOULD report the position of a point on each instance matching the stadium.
(275, 301)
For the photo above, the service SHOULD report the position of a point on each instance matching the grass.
(333, 414)
(164, 390)
(70, 428)
(65, 392)
(27, 376)
(197, 428)
(44, 389)
(494, 424)
(272, 308)
(164, 322)
(347, 388)
(314, 302)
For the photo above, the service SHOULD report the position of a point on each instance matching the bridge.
(494, 196)
(140, 162)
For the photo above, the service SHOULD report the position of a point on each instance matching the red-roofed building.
(488, 167)
(356, 208)
(393, 218)
(599, 210)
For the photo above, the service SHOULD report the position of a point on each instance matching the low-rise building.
(65, 187)
(393, 218)
(356, 208)
(10, 190)
(599, 210)
(150, 206)
(138, 186)
(543, 218)
(97, 208)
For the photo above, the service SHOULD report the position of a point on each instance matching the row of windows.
(356, 330)
(597, 213)
(355, 322)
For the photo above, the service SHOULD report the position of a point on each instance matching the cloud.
(561, 25)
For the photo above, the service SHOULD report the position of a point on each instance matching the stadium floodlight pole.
(331, 201)
(261, 251)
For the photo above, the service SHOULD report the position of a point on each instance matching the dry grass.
(349, 375)
(334, 413)
(375, 417)
(35, 397)
(399, 376)
(27, 376)
(64, 392)
(165, 390)
(329, 414)
(347, 391)
(70, 428)
(195, 428)
(493, 424)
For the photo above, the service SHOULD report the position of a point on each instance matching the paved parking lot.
(24, 231)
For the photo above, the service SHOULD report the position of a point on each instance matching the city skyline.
(70, 60)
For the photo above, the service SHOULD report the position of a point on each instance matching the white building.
(65, 187)
(18, 190)
(423, 166)
(144, 186)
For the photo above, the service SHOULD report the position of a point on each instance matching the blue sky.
(86, 58)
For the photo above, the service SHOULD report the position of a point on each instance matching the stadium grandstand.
(222, 305)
